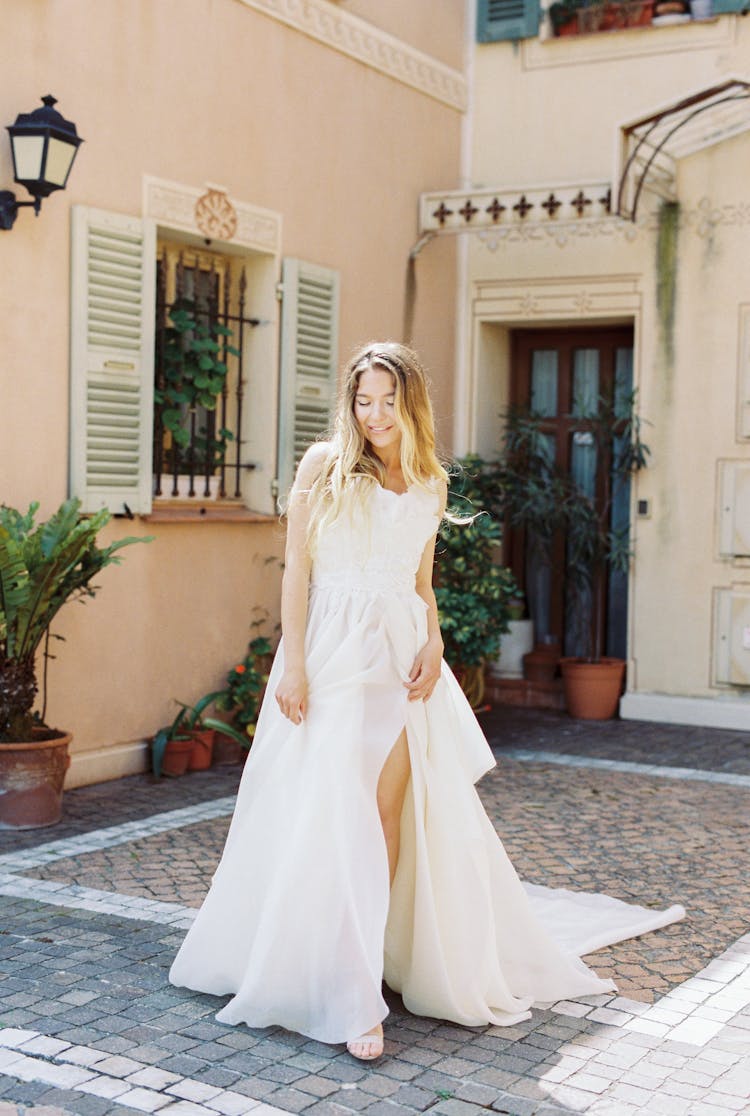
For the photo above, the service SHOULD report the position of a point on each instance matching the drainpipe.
(463, 409)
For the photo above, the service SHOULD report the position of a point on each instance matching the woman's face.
(374, 409)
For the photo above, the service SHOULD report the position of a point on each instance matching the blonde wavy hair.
(352, 466)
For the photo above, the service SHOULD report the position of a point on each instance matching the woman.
(359, 847)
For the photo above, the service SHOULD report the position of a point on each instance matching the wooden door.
(560, 374)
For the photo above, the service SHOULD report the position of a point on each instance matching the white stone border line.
(31, 1056)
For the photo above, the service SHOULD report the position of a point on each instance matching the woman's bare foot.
(367, 1047)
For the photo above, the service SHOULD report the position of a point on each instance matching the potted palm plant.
(473, 591)
(551, 505)
(42, 566)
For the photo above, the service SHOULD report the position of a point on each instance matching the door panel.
(560, 374)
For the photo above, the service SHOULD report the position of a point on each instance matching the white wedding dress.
(299, 925)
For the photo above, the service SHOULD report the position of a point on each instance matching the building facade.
(604, 235)
(247, 193)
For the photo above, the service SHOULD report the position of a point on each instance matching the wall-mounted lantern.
(44, 145)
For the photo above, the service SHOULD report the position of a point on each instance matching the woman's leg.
(391, 790)
(392, 784)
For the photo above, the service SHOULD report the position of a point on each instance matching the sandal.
(371, 1039)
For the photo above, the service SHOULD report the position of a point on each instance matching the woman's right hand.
(291, 694)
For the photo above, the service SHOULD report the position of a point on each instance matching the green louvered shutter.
(721, 7)
(113, 259)
(309, 359)
(507, 19)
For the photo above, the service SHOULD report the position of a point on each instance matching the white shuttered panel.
(309, 358)
(112, 360)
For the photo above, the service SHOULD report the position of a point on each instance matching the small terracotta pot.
(227, 750)
(202, 750)
(31, 781)
(592, 689)
(176, 757)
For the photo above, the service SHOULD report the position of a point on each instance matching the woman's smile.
(374, 406)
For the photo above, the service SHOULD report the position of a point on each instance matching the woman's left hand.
(425, 672)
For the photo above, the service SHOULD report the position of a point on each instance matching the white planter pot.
(514, 644)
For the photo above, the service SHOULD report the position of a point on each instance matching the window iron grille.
(200, 376)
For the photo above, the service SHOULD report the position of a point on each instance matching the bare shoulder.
(313, 460)
(440, 488)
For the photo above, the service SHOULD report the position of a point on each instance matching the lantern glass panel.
(59, 159)
(27, 156)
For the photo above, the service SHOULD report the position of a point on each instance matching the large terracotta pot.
(592, 689)
(31, 780)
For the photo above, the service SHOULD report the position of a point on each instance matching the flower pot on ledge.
(514, 645)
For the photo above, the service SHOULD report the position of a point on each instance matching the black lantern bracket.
(44, 146)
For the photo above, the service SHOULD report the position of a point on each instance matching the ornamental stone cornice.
(379, 50)
(176, 206)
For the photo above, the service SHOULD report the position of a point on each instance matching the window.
(244, 439)
(199, 373)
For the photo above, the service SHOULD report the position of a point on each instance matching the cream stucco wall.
(547, 114)
(197, 91)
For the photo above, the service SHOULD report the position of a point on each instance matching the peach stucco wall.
(199, 91)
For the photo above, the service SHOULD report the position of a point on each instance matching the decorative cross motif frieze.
(495, 210)
(579, 202)
(468, 210)
(549, 207)
(522, 207)
(442, 212)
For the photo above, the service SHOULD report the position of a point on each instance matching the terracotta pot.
(31, 781)
(227, 750)
(592, 689)
(540, 664)
(176, 757)
(202, 750)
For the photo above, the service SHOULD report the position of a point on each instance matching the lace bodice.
(380, 550)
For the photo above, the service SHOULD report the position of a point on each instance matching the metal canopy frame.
(651, 146)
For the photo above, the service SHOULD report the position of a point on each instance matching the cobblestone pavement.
(93, 910)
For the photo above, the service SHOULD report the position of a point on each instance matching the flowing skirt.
(300, 925)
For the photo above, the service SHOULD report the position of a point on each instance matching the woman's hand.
(425, 672)
(291, 694)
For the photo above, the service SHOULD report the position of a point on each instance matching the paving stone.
(483, 1095)
(316, 1086)
(218, 1075)
(384, 1108)
(328, 1108)
(377, 1085)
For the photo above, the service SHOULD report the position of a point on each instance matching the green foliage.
(535, 494)
(246, 683)
(193, 376)
(473, 591)
(41, 568)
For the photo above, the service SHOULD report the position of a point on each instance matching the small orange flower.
(240, 669)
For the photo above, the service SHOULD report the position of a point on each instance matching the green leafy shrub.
(473, 589)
